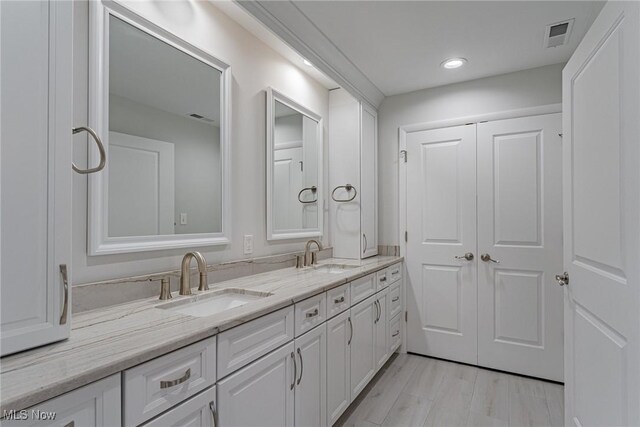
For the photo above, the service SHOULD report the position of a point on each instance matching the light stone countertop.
(109, 340)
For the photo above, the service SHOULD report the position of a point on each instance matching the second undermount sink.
(334, 268)
(207, 304)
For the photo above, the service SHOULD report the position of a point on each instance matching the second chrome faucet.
(185, 273)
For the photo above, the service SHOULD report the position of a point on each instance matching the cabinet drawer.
(242, 345)
(395, 299)
(157, 385)
(382, 281)
(94, 405)
(310, 313)
(394, 273)
(338, 300)
(395, 335)
(198, 411)
(362, 288)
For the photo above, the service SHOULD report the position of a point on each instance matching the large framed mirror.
(162, 107)
(294, 169)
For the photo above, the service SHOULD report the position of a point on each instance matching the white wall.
(522, 89)
(254, 66)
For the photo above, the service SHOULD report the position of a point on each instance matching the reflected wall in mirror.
(294, 169)
(164, 104)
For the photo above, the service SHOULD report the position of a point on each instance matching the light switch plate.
(248, 244)
(183, 218)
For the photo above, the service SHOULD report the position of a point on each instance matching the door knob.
(562, 279)
(487, 258)
(468, 256)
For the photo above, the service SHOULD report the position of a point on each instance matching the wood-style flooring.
(420, 391)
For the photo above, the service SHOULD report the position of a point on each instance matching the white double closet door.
(492, 189)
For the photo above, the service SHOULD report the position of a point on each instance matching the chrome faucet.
(311, 258)
(185, 276)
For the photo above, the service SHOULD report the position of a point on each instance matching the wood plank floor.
(419, 391)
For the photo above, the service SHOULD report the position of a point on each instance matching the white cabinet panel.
(311, 393)
(198, 411)
(339, 335)
(394, 273)
(395, 331)
(338, 300)
(394, 302)
(363, 317)
(310, 313)
(363, 288)
(260, 394)
(381, 326)
(245, 343)
(369, 181)
(35, 172)
(94, 405)
(157, 385)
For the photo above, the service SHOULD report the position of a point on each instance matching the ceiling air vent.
(200, 117)
(558, 34)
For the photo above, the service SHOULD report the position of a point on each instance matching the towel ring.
(347, 187)
(313, 189)
(103, 154)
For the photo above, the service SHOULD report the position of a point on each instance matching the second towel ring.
(313, 189)
(347, 187)
(103, 154)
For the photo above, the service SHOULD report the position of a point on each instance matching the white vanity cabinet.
(94, 405)
(311, 369)
(261, 393)
(363, 364)
(339, 334)
(35, 168)
(353, 176)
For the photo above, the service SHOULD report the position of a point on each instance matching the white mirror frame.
(99, 242)
(273, 96)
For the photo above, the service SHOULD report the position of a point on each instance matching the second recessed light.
(452, 63)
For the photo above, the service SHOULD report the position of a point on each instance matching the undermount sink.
(207, 304)
(334, 268)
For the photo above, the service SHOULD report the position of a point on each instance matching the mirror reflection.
(295, 170)
(164, 138)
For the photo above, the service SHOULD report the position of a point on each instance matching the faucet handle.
(165, 288)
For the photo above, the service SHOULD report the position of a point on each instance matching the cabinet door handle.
(171, 383)
(395, 299)
(212, 408)
(70, 424)
(351, 334)
(364, 236)
(295, 370)
(395, 334)
(301, 366)
(103, 154)
(377, 303)
(65, 303)
(338, 300)
(313, 313)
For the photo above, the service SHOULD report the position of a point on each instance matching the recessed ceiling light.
(452, 63)
(306, 62)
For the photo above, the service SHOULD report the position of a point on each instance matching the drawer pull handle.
(383, 279)
(395, 334)
(394, 272)
(313, 313)
(70, 424)
(212, 408)
(185, 377)
(338, 300)
(395, 299)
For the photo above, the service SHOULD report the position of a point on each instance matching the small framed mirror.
(294, 169)
(162, 107)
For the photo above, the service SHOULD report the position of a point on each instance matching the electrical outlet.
(183, 218)
(248, 244)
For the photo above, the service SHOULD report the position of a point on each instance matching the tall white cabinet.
(35, 172)
(353, 176)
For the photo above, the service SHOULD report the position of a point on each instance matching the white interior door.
(441, 225)
(520, 228)
(601, 154)
(141, 186)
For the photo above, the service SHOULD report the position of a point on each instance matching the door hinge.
(406, 236)
(404, 155)
(406, 316)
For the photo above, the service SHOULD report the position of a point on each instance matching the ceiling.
(399, 45)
